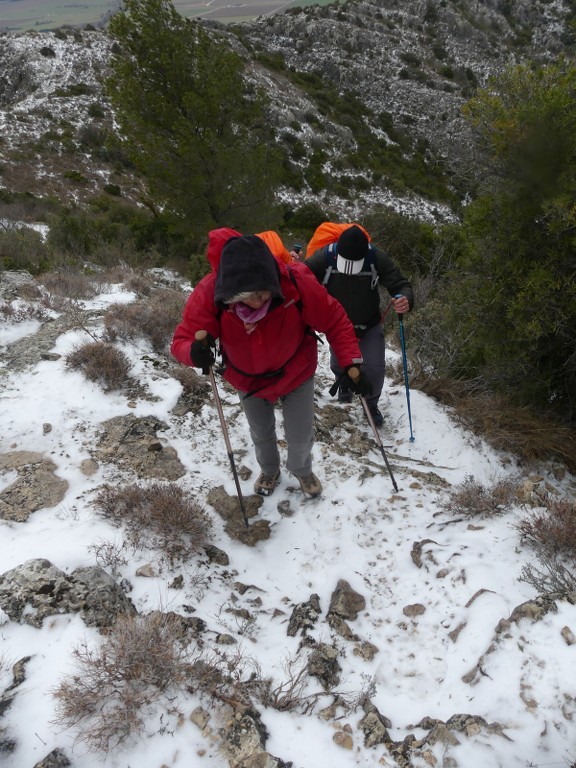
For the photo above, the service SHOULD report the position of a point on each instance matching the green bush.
(23, 248)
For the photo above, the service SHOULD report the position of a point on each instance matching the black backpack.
(368, 268)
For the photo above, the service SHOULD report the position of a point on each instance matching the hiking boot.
(377, 416)
(265, 484)
(310, 485)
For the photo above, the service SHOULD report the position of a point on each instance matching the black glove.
(358, 382)
(201, 353)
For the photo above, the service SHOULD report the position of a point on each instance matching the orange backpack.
(273, 241)
(328, 233)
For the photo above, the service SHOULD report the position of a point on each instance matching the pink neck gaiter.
(249, 315)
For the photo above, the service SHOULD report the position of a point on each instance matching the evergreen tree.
(190, 122)
(516, 300)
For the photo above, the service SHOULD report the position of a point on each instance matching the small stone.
(365, 650)
(200, 717)
(46, 428)
(416, 609)
(284, 508)
(224, 639)
(89, 467)
(147, 571)
(343, 740)
(568, 635)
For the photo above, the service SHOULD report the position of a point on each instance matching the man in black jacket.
(352, 269)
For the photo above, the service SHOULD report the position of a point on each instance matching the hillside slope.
(363, 628)
(410, 66)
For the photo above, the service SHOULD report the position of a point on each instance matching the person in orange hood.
(264, 314)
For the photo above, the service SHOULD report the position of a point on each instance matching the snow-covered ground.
(432, 618)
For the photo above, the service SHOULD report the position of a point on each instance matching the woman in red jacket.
(265, 314)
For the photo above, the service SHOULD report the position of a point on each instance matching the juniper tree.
(191, 122)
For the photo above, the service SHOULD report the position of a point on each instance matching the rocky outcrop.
(37, 485)
(132, 441)
(37, 589)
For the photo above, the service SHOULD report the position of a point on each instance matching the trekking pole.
(378, 439)
(333, 389)
(202, 337)
(405, 366)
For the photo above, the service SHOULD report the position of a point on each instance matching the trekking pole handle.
(399, 296)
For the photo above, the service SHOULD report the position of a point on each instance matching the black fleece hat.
(352, 249)
(246, 264)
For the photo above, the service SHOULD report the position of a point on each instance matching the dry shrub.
(29, 292)
(505, 426)
(142, 285)
(194, 386)
(109, 554)
(554, 579)
(238, 679)
(72, 285)
(552, 530)
(191, 381)
(137, 666)
(18, 313)
(472, 499)
(154, 319)
(100, 362)
(131, 279)
(162, 513)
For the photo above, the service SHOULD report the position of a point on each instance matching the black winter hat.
(246, 264)
(351, 250)
(352, 244)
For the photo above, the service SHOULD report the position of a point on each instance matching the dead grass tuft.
(154, 319)
(161, 514)
(472, 499)
(504, 426)
(137, 665)
(102, 363)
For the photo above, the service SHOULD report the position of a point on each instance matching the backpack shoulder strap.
(370, 262)
(298, 302)
(330, 262)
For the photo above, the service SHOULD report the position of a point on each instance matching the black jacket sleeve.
(317, 263)
(391, 278)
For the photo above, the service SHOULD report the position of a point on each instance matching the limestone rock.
(36, 589)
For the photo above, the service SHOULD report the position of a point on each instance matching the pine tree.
(190, 122)
(516, 303)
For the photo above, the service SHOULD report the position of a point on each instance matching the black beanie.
(246, 264)
(352, 244)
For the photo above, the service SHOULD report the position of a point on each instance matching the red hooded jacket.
(281, 346)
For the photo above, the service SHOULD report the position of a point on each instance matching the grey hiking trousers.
(373, 348)
(298, 412)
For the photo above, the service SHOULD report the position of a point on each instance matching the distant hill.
(45, 15)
